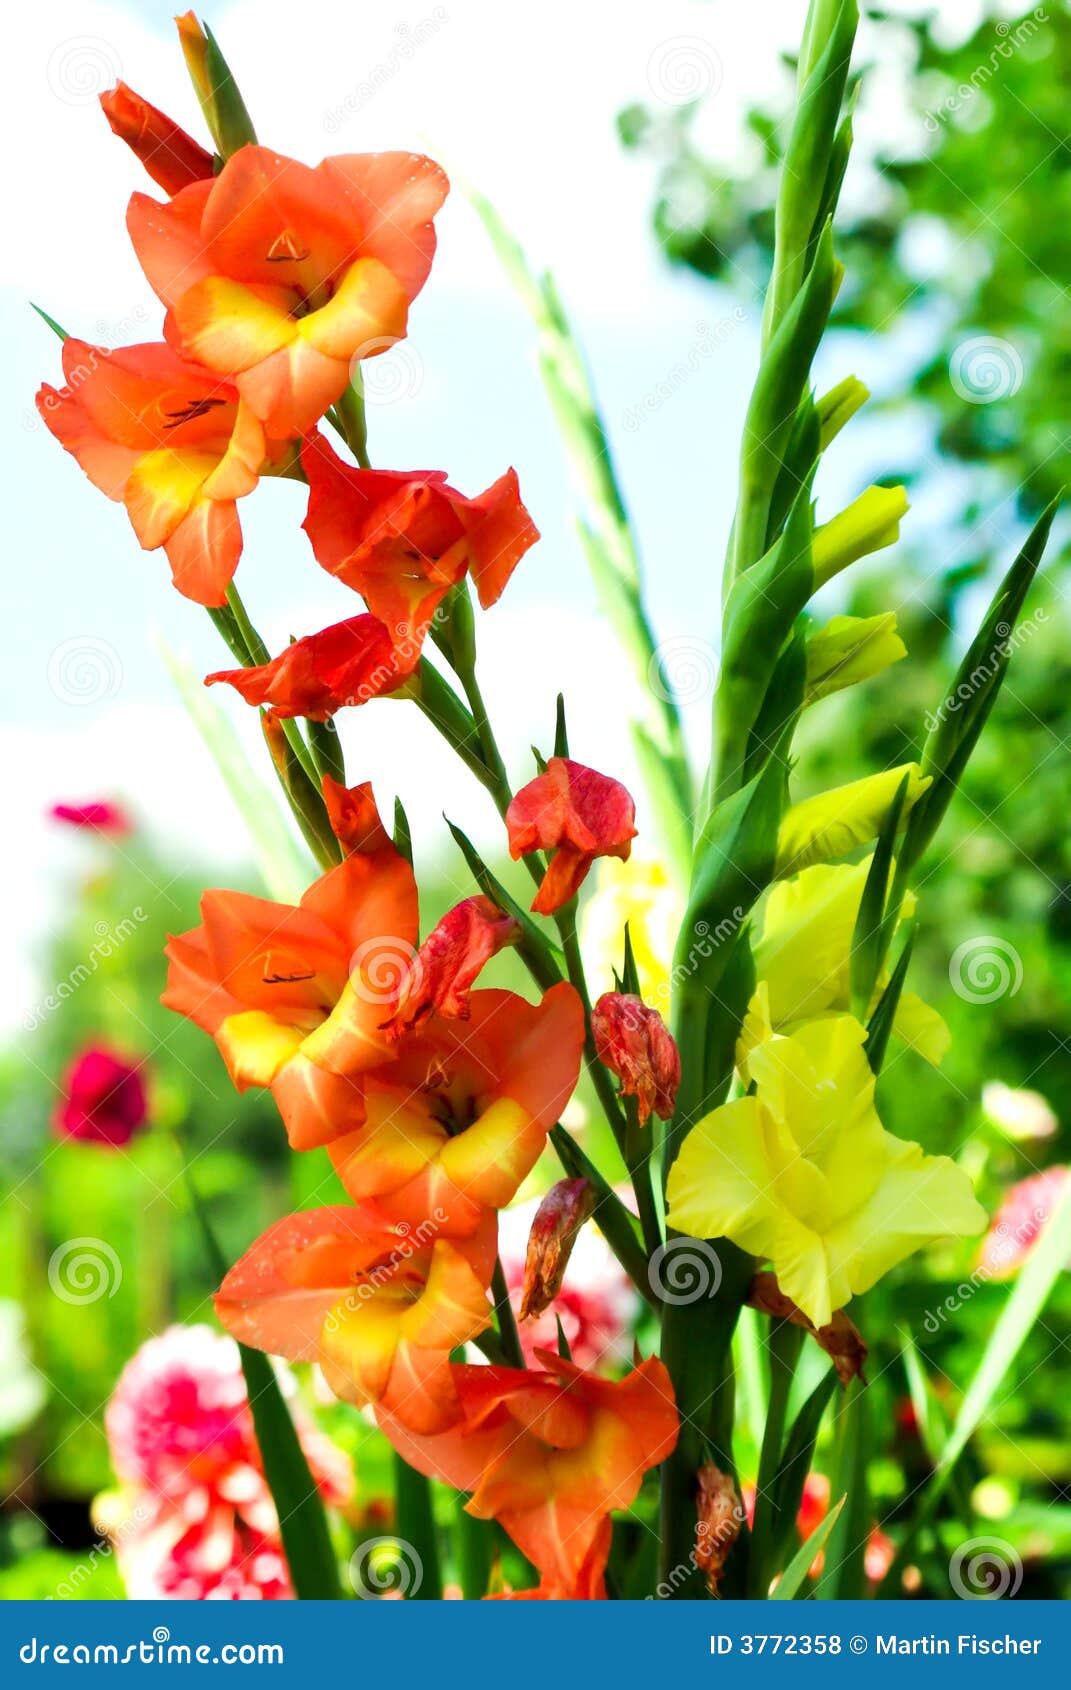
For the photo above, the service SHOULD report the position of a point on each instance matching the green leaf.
(51, 321)
(1043, 1267)
(799, 1451)
(302, 1520)
(873, 928)
(415, 1529)
(963, 712)
(795, 1574)
(403, 835)
(880, 1025)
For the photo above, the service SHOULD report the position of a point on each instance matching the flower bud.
(442, 972)
(557, 1222)
(867, 525)
(172, 158)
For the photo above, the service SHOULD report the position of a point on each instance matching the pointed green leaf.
(298, 1505)
(795, 1574)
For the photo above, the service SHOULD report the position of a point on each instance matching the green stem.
(783, 1347)
(415, 1526)
(639, 1153)
(507, 1325)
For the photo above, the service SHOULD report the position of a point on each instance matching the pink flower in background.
(597, 1305)
(102, 816)
(1019, 1222)
(195, 1519)
(104, 1099)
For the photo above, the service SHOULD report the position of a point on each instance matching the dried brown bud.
(557, 1222)
(633, 1041)
(841, 1339)
(720, 1517)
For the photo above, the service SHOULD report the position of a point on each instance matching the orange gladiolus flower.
(172, 158)
(295, 996)
(279, 276)
(579, 815)
(403, 539)
(633, 1041)
(379, 1306)
(346, 664)
(549, 1455)
(458, 1119)
(170, 441)
(441, 974)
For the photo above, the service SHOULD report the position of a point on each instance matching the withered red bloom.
(633, 1041)
(548, 1455)
(576, 813)
(378, 1305)
(102, 816)
(104, 1099)
(172, 158)
(402, 539)
(170, 441)
(346, 664)
(555, 1227)
(441, 974)
(278, 276)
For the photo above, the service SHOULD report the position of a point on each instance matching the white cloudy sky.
(521, 99)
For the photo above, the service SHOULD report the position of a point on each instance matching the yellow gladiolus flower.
(831, 824)
(850, 649)
(868, 524)
(802, 1173)
(803, 955)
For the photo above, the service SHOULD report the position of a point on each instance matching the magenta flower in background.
(101, 815)
(104, 1099)
(194, 1518)
(1020, 1221)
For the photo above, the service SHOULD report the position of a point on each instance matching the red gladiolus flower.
(354, 819)
(458, 1117)
(104, 1099)
(1020, 1221)
(378, 1305)
(102, 816)
(579, 815)
(633, 1041)
(172, 158)
(278, 277)
(403, 539)
(294, 997)
(548, 1455)
(346, 664)
(170, 441)
(441, 974)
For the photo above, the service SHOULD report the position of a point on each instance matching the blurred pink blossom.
(103, 1098)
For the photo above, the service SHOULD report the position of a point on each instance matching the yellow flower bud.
(867, 525)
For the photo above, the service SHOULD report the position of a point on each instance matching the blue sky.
(520, 99)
